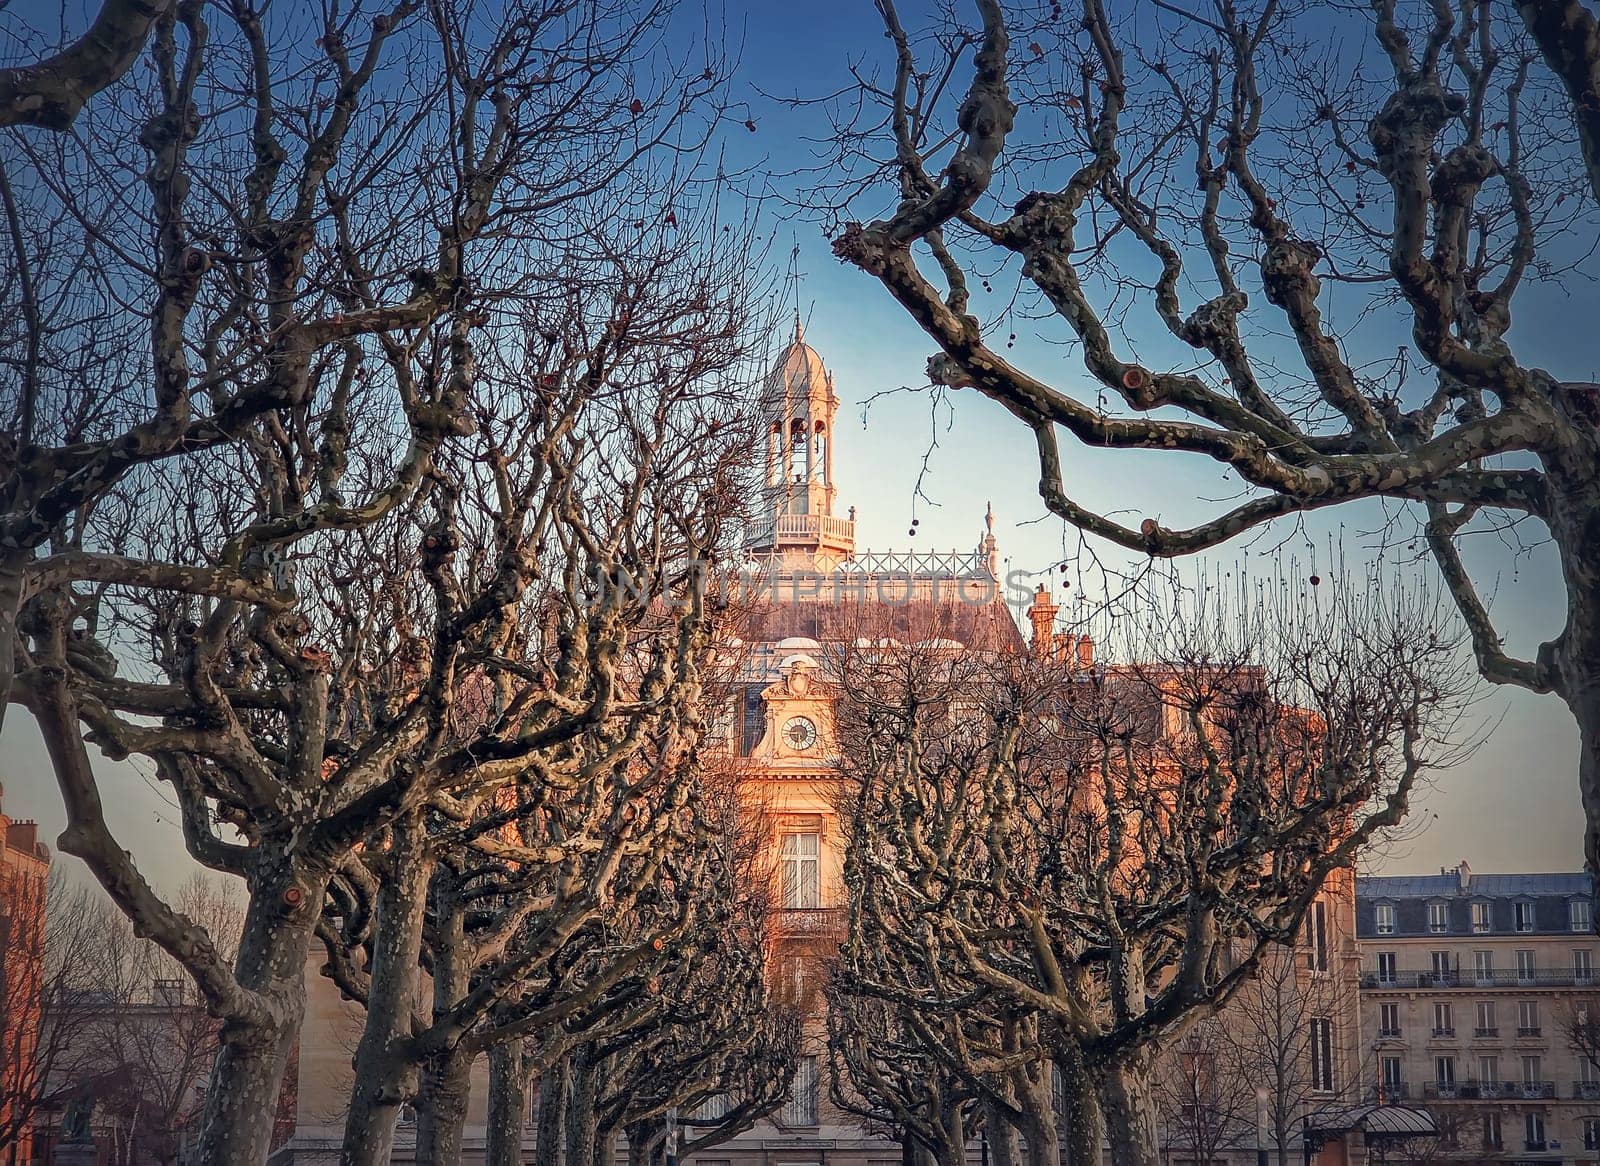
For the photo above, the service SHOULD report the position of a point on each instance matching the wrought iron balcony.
(1540, 978)
(804, 921)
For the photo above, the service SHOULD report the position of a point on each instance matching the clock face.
(800, 733)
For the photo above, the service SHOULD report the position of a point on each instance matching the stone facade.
(1469, 984)
(24, 889)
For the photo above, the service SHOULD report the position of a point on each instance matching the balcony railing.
(1541, 978)
(1388, 1034)
(811, 921)
(1586, 1090)
(1528, 1030)
(1389, 1093)
(1475, 1090)
(1443, 1032)
(1492, 1030)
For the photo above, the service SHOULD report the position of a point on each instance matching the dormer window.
(1522, 914)
(1383, 918)
(1578, 917)
(1438, 917)
(1482, 917)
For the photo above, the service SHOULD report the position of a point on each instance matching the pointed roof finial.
(988, 516)
(799, 328)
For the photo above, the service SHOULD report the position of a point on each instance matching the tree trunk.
(508, 1104)
(383, 1076)
(1127, 1103)
(552, 1109)
(242, 1093)
(1001, 1135)
(442, 1106)
(1080, 1130)
(1033, 1085)
(580, 1110)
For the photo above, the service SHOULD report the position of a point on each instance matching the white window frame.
(1444, 1019)
(801, 1107)
(1438, 917)
(1527, 965)
(1483, 966)
(1383, 918)
(1486, 1018)
(800, 872)
(1388, 965)
(1482, 917)
(1578, 915)
(1582, 965)
(1524, 916)
(1527, 1017)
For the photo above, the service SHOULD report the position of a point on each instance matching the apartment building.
(1470, 986)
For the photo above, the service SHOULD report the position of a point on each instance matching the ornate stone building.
(1470, 984)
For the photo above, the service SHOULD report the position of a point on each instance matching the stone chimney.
(1043, 617)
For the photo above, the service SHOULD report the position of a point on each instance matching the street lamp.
(1261, 1127)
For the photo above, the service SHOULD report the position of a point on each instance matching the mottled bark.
(384, 1074)
(1569, 37)
(1001, 1136)
(50, 93)
(1575, 656)
(1079, 1126)
(508, 1104)
(552, 1111)
(1128, 1105)
(242, 1095)
(580, 1131)
(446, 1087)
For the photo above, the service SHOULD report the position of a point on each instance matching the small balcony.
(1532, 1090)
(1443, 1033)
(1388, 1034)
(1486, 1033)
(1441, 1090)
(1389, 1093)
(823, 922)
(1528, 1032)
(1586, 1090)
(1534, 1147)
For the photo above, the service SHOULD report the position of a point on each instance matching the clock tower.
(799, 738)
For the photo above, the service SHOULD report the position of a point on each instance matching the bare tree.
(421, 402)
(1206, 1108)
(50, 92)
(1124, 157)
(57, 941)
(1114, 851)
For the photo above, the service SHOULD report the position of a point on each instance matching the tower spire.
(797, 523)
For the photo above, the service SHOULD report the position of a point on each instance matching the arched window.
(819, 463)
(798, 452)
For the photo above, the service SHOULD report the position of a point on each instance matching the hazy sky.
(1513, 806)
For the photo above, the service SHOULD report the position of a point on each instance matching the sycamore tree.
(331, 442)
(1109, 853)
(1217, 209)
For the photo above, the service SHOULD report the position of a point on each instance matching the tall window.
(1491, 1130)
(1386, 966)
(1591, 1133)
(1383, 918)
(1389, 1020)
(1532, 1069)
(1578, 915)
(1317, 935)
(1480, 917)
(799, 856)
(1392, 1077)
(1488, 1069)
(1522, 914)
(1444, 1072)
(1527, 1018)
(1322, 1054)
(1441, 967)
(1534, 1125)
(801, 1108)
(1486, 1021)
(1582, 966)
(1438, 917)
(1525, 965)
(1443, 1019)
(1483, 966)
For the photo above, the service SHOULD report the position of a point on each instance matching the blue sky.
(1513, 806)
